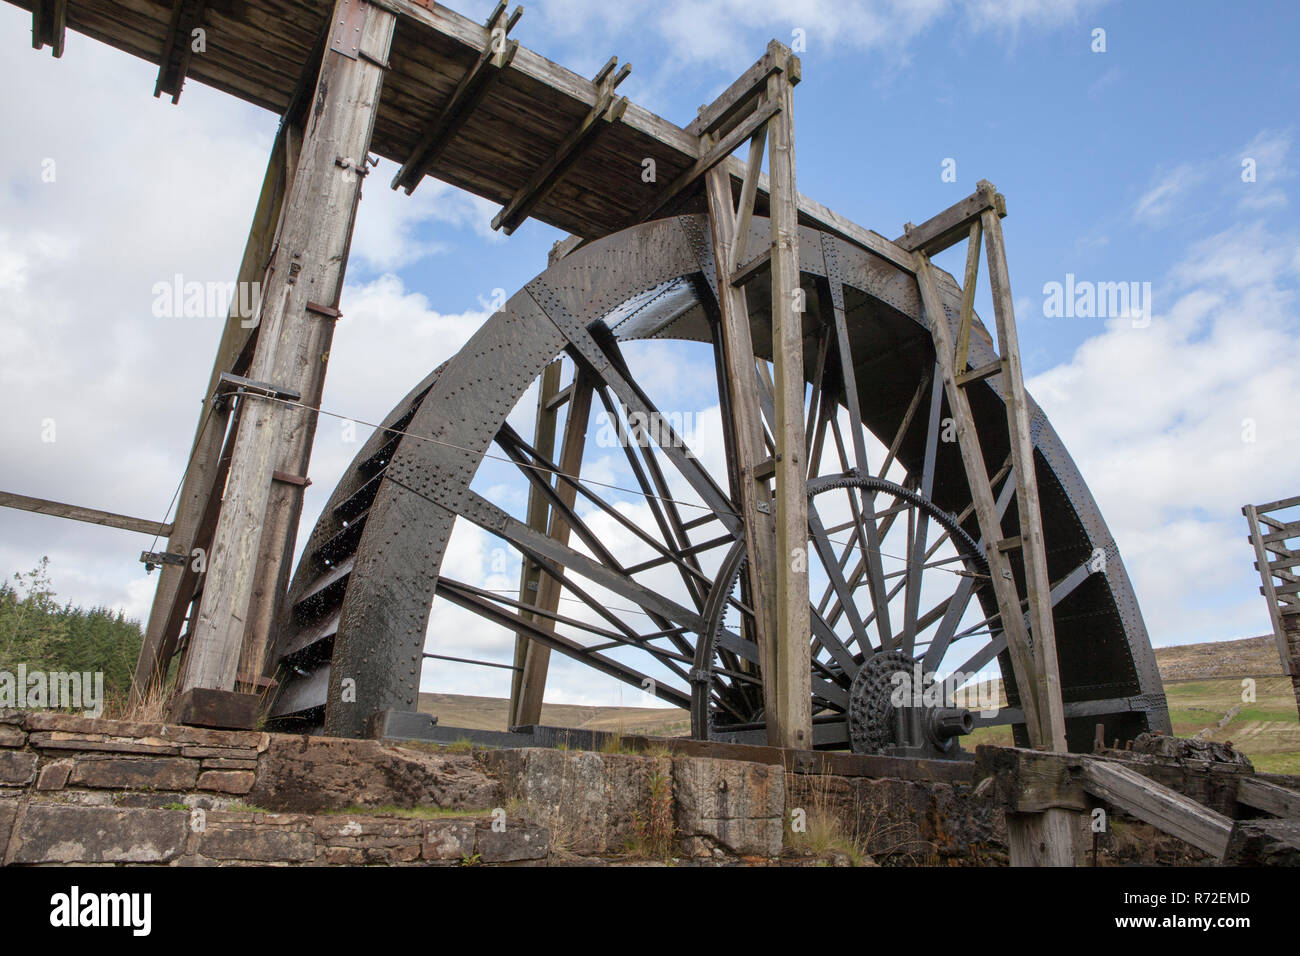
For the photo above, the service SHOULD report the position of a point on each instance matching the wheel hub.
(891, 710)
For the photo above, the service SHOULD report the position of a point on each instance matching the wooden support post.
(293, 341)
(793, 665)
(204, 478)
(1033, 658)
(746, 423)
(90, 515)
(968, 443)
(49, 25)
(539, 509)
(1051, 712)
(1283, 613)
(537, 656)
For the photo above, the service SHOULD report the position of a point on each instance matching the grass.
(653, 831)
(1277, 763)
(1266, 729)
(818, 827)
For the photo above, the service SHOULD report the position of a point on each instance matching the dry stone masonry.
(75, 790)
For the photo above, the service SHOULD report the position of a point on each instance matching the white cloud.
(1156, 420)
(1264, 157)
(726, 34)
(1169, 186)
(388, 234)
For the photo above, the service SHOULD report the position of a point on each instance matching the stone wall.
(77, 790)
(81, 791)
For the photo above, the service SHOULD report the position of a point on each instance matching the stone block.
(328, 773)
(134, 773)
(227, 781)
(259, 844)
(54, 776)
(58, 833)
(513, 844)
(447, 840)
(734, 805)
(17, 768)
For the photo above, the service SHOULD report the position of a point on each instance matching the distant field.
(1203, 684)
(490, 713)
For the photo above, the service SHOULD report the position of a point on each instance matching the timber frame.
(1219, 806)
(1277, 559)
(443, 96)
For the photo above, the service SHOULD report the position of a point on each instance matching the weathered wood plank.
(1269, 797)
(537, 656)
(793, 663)
(1165, 809)
(953, 224)
(108, 519)
(293, 343)
(530, 572)
(746, 428)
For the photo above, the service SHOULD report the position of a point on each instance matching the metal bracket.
(302, 481)
(326, 310)
(345, 38)
(360, 170)
(231, 384)
(154, 559)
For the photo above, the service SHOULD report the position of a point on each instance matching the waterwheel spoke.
(916, 556)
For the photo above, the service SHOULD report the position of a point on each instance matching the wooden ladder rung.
(1014, 543)
(979, 374)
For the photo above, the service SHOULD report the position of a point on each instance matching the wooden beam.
(746, 433)
(1267, 588)
(496, 54)
(1033, 549)
(530, 572)
(178, 47)
(293, 344)
(740, 95)
(199, 501)
(602, 116)
(793, 719)
(750, 270)
(1269, 797)
(49, 25)
(712, 157)
(968, 296)
(1165, 809)
(90, 515)
(1278, 505)
(953, 224)
(748, 195)
(537, 656)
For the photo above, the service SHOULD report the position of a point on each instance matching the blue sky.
(1123, 165)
